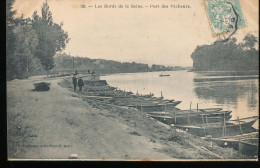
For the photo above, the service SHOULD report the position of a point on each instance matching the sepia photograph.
(132, 80)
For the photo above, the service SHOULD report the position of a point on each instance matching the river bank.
(58, 123)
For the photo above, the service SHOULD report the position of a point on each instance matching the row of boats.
(215, 125)
(212, 124)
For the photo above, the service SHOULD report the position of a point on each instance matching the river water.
(238, 93)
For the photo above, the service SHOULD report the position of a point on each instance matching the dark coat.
(74, 80)
(80, 82)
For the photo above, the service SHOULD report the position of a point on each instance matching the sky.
(145, 35)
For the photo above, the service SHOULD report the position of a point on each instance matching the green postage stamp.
(224, 15)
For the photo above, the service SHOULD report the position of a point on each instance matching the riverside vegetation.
(227, 56)
(63, 63)
(32, 42)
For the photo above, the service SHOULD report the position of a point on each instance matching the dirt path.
(57, 123)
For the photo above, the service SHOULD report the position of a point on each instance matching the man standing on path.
(74, 81)
(80, 83)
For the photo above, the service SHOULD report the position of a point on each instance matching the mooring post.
(239, 125)
(174, 115)
(161, 95)
(239, 147)
(203, 124)
(206, 119)
(224, 126)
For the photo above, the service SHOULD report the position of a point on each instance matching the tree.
(250, 41)
(10, 38)
(19, 63)
(227, 56)
(10, 25)
(10, 20)
(52, 38)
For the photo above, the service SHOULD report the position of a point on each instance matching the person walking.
(80, 83)
(74, 81)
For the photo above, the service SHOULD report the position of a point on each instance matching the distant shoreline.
(252, 72)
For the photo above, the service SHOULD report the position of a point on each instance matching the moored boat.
(213, 113)
(218, 129)
(145, 95)
(210, 109)
(249, 146)
(233, 141)
(192, 118)
(163, 118)
(146, 107)
(207, 110)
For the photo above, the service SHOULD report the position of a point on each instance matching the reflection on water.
(228, 92)
(231, 91)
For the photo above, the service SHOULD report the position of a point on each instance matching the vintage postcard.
(132, 80)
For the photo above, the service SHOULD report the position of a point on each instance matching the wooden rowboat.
(210, 109)
(180, 119)
(207, 110)
(249, 146)
(164, 119)
(146, 107)
(233, 141)
(219, 129)
(213, 113)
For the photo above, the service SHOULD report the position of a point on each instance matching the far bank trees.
(227, 56)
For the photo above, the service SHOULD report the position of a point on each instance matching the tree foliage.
(227, 56)
(10, 25)
(32, 43)
(52, 36)
(64, 63)
(24, 47)
(250, 41)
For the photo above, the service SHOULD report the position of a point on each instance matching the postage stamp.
(224, 16)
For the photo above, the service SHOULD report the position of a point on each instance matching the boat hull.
(219, 130)
(233, 141)
(156, 107)
(249, 146)
(183, 120)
